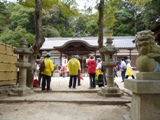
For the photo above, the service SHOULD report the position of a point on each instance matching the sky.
(81, 3)
(88, 3)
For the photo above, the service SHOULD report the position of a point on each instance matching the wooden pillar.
(61, 59)
(95, 55)
(130, 53)
(82, 64)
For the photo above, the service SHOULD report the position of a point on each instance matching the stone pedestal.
(145, 98)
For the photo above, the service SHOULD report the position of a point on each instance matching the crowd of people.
(96, 71)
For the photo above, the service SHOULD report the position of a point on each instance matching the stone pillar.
(22, 78)
(107, 53)
(110, 77)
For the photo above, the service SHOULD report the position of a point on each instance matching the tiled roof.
(119, 41)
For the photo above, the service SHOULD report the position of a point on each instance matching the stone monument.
(146, 87)
(107, 53)
(22, 64)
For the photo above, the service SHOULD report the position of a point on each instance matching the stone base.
(110, 92)
(17, 91)
(145, 99)
(148, 76)
(127, 117)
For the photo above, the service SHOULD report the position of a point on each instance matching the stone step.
(82, 97)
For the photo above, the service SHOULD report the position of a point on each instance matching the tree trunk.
(100, 23)
(38, 42)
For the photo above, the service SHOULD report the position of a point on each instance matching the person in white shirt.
(101, 80)
(123, 69)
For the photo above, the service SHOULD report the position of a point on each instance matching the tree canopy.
(63, 19)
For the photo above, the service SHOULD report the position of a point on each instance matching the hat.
(48, 54)
(128, 60)
(76, 56)
(99, 59)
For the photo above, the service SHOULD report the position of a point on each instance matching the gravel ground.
(63, 111)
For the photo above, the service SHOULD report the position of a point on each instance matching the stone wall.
(8, 70)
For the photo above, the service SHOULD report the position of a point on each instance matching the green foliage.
(138, 3)
(12, 37)
(151, 14)
(45, 3)
(62, 19)
(20, 17)
(2, 17)
(124, 21)
(110, 7)
(50, 31)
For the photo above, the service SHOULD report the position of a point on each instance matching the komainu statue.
(149, 52)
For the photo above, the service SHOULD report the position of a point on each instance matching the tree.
(12, 37)
(2, 16)
(105, 19)
(39, 31)
(137, 6)
(151, 15)
(14, 28)
(124, 21)
(100, 23)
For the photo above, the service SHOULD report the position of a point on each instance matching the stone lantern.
(22, 64)
(107, 52)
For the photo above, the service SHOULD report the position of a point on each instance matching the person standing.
(115, 69)
(79, 71)
(129, 70)
(63, 70)
(123, 69)
(39, 72)
(91, 63)
(104, 70)
(99, 73)
(73, 66)
(49, 67)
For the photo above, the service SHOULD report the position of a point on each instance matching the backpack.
(103, 68)
(42, 67)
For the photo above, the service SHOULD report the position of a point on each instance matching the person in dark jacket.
(92, 71)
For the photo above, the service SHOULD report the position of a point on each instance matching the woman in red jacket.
(91, 63)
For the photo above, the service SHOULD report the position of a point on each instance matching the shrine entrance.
(79, 47)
